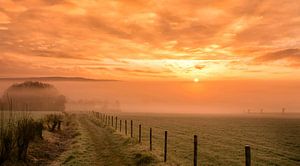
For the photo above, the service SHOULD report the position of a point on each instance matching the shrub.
(39, 126)
(53, 121)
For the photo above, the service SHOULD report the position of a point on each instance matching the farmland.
(273, 140)
(222, 138)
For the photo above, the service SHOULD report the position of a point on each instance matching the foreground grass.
(45, 150)
(221, 139)
(80, 151)
(83, 140)
(99, 145)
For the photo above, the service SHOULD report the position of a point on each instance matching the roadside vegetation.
(28, 141)
(29, 136)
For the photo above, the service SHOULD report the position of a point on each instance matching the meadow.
(274, 140)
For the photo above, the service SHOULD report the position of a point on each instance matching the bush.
(39, 126)
(35, 96)
(54, 121)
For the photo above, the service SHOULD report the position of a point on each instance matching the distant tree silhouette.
(33, 96)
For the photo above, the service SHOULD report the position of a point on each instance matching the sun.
(196, 80)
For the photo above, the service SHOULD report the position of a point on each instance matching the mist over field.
(181, 97)
(225, 115)
(149, 83)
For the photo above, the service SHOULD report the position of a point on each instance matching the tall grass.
(6, 142)
(25, 133)
(17, 131)
(7, 132)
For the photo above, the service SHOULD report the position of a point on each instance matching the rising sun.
(196, 80)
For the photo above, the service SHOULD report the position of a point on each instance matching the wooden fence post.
(150, 139)
(131, 131)
(140, 133)
(248, 155)
(195, 150)
(112, 121)
(116, 127)
(120, 125)
(166, 148)
(125, 127)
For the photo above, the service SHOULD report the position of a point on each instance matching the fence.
(105, 120)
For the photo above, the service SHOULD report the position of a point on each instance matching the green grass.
(79, 152)
(273, 141)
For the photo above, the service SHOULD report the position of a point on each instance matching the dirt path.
(110, 148)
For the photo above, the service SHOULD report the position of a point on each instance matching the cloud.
(90, 32)
(138, 71)
(290, 54)
(4, 19)
(199, 67)
(11, 6)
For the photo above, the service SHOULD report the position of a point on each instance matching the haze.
(185, 97)
(170, 56)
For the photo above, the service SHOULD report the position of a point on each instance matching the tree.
(33, 96)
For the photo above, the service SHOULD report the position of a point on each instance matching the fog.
(184, 97)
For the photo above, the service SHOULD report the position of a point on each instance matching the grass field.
(274, 140)
(222, 138)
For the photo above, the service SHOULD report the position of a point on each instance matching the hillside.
(51, 79)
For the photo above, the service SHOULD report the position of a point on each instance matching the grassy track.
(109, 147)
(97, 145)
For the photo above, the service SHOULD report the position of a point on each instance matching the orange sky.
(151, 40)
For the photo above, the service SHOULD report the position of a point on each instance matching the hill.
(51, 79)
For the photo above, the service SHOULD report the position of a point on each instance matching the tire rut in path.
(108, 146)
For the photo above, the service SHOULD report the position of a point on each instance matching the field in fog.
(272, 135)
(273, 140)
(180, 97)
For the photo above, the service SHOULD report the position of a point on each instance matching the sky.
(151, 40)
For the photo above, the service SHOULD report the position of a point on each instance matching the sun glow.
(196, 80)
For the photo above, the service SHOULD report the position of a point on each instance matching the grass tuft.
(143, 159)
(68, 159)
